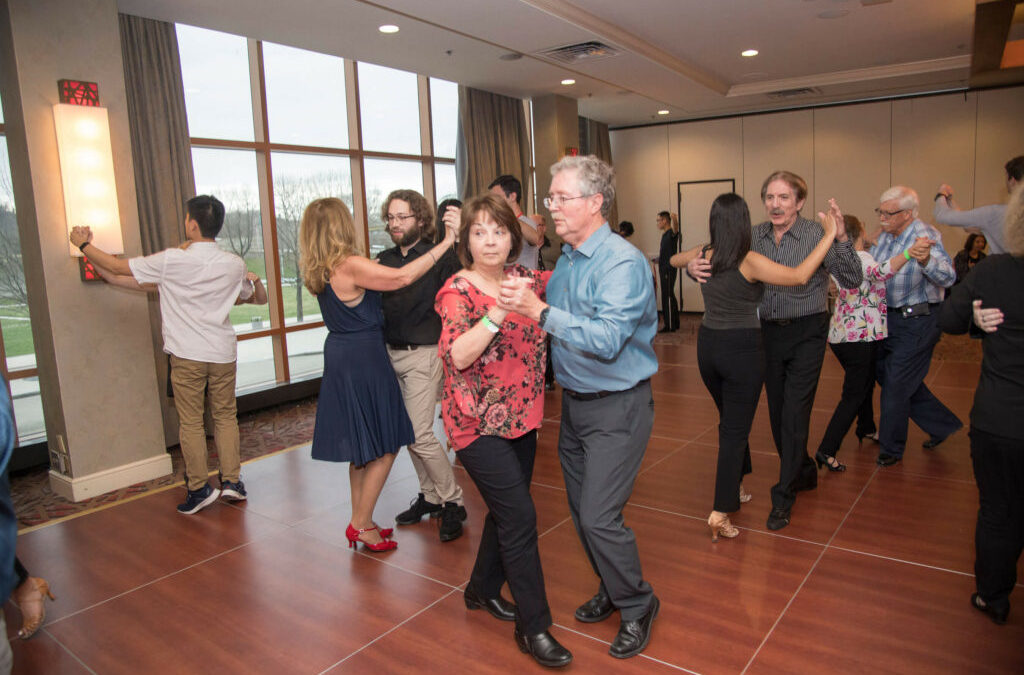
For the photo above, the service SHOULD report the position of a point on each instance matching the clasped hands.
(80, 235)
(517, 296)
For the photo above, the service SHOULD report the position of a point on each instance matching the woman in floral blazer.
(492, 404)
(858, 323)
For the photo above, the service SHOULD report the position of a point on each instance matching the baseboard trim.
(84, 487)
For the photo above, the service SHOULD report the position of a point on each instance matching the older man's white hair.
(904, 196)
(593, 176)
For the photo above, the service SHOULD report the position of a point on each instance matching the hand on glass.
(987, 319)
(79, 235)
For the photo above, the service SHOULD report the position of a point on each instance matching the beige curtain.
(594, 140)
(161, 155)
(492, 141)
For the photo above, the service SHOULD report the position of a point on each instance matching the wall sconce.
(87, 165)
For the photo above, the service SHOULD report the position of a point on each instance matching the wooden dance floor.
(873, 575)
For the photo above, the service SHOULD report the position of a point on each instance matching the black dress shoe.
(886, 460)
(598, 608)
(778, 519)
(498, 607)
(998, 616)
(544, 649)
(633, 636)
(933, 442)
(417, 509)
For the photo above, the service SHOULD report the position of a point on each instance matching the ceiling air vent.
(584, 51)
(793, 93)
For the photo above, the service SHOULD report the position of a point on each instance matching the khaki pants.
(419, 374)
(190, 380)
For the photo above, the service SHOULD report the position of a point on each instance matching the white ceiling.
(680, 55)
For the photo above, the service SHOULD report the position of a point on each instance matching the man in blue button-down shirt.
(913, 298)
(602, 319)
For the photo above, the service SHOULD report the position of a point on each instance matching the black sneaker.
(418, 508)
(233, 492)
(198, 500)
(452, 515)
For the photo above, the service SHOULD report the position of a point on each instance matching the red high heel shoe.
(353, 537)
(385, 532)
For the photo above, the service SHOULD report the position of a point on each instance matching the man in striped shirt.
(794, 329)
(913, 297)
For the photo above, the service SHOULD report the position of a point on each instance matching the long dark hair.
(969, 244)
(730, 231)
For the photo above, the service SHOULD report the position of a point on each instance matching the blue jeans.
(903, 360)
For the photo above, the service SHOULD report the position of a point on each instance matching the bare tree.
(12, 276)
(292, 193)
(241, 221)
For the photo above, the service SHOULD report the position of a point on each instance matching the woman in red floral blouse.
(492, 404)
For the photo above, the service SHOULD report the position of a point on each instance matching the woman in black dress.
(360, 415)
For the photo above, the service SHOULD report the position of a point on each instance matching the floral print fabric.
(860, 313)
(502, 392)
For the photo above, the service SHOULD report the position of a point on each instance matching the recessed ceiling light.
(568, 82)
(748, 52)
(662, 112)
(388, 28)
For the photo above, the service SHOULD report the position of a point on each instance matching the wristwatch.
(543, 316)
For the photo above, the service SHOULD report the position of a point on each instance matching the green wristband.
(490, 325)
(906, 253)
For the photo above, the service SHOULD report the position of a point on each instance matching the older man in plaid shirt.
(913, 297)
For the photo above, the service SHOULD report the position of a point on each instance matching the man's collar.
(596, 238)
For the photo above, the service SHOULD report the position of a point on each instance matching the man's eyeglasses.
(398, 217)
(888, 214)
(551, 201)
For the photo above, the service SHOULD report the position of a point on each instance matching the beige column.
(555, 130)
(93, 346)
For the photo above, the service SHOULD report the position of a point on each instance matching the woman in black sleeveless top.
(729, 352)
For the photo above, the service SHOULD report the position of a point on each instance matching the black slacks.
(502, 469)
(858, 362)
(669, 304)
(999, 535)
(731, 363)
(793, 352)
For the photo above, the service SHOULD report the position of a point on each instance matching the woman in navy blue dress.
(360, 415)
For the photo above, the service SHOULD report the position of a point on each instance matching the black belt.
(594, 395)
(786, 322)
(405, 345)
(920, 309)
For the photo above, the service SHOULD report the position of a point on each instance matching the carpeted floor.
(286, 426)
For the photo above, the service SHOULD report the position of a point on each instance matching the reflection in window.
(255, 364)
(383, 176)
(215, 72)
(306, 352)
(28, 409)
(230, 176)
(389, 109)
(14, 317)
(306, 102)
(298, 180)
(444, 182)
(444, 117)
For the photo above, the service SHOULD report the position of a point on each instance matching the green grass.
(17, 333)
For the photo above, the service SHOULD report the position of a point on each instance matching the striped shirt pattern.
(791, 302)
(915, 284)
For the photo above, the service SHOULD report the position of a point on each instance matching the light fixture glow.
(662, 112)
(388, 28)
(567, 82)
(87, 174)
(749, 52)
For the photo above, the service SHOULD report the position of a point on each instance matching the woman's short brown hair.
(500, 212)
(854, 228)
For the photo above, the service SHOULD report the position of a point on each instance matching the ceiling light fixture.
(388, 28)
(749, 52)
(568, 82)
(662, 112)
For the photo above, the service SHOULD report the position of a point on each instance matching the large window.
(271, 130)
(17, 351)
